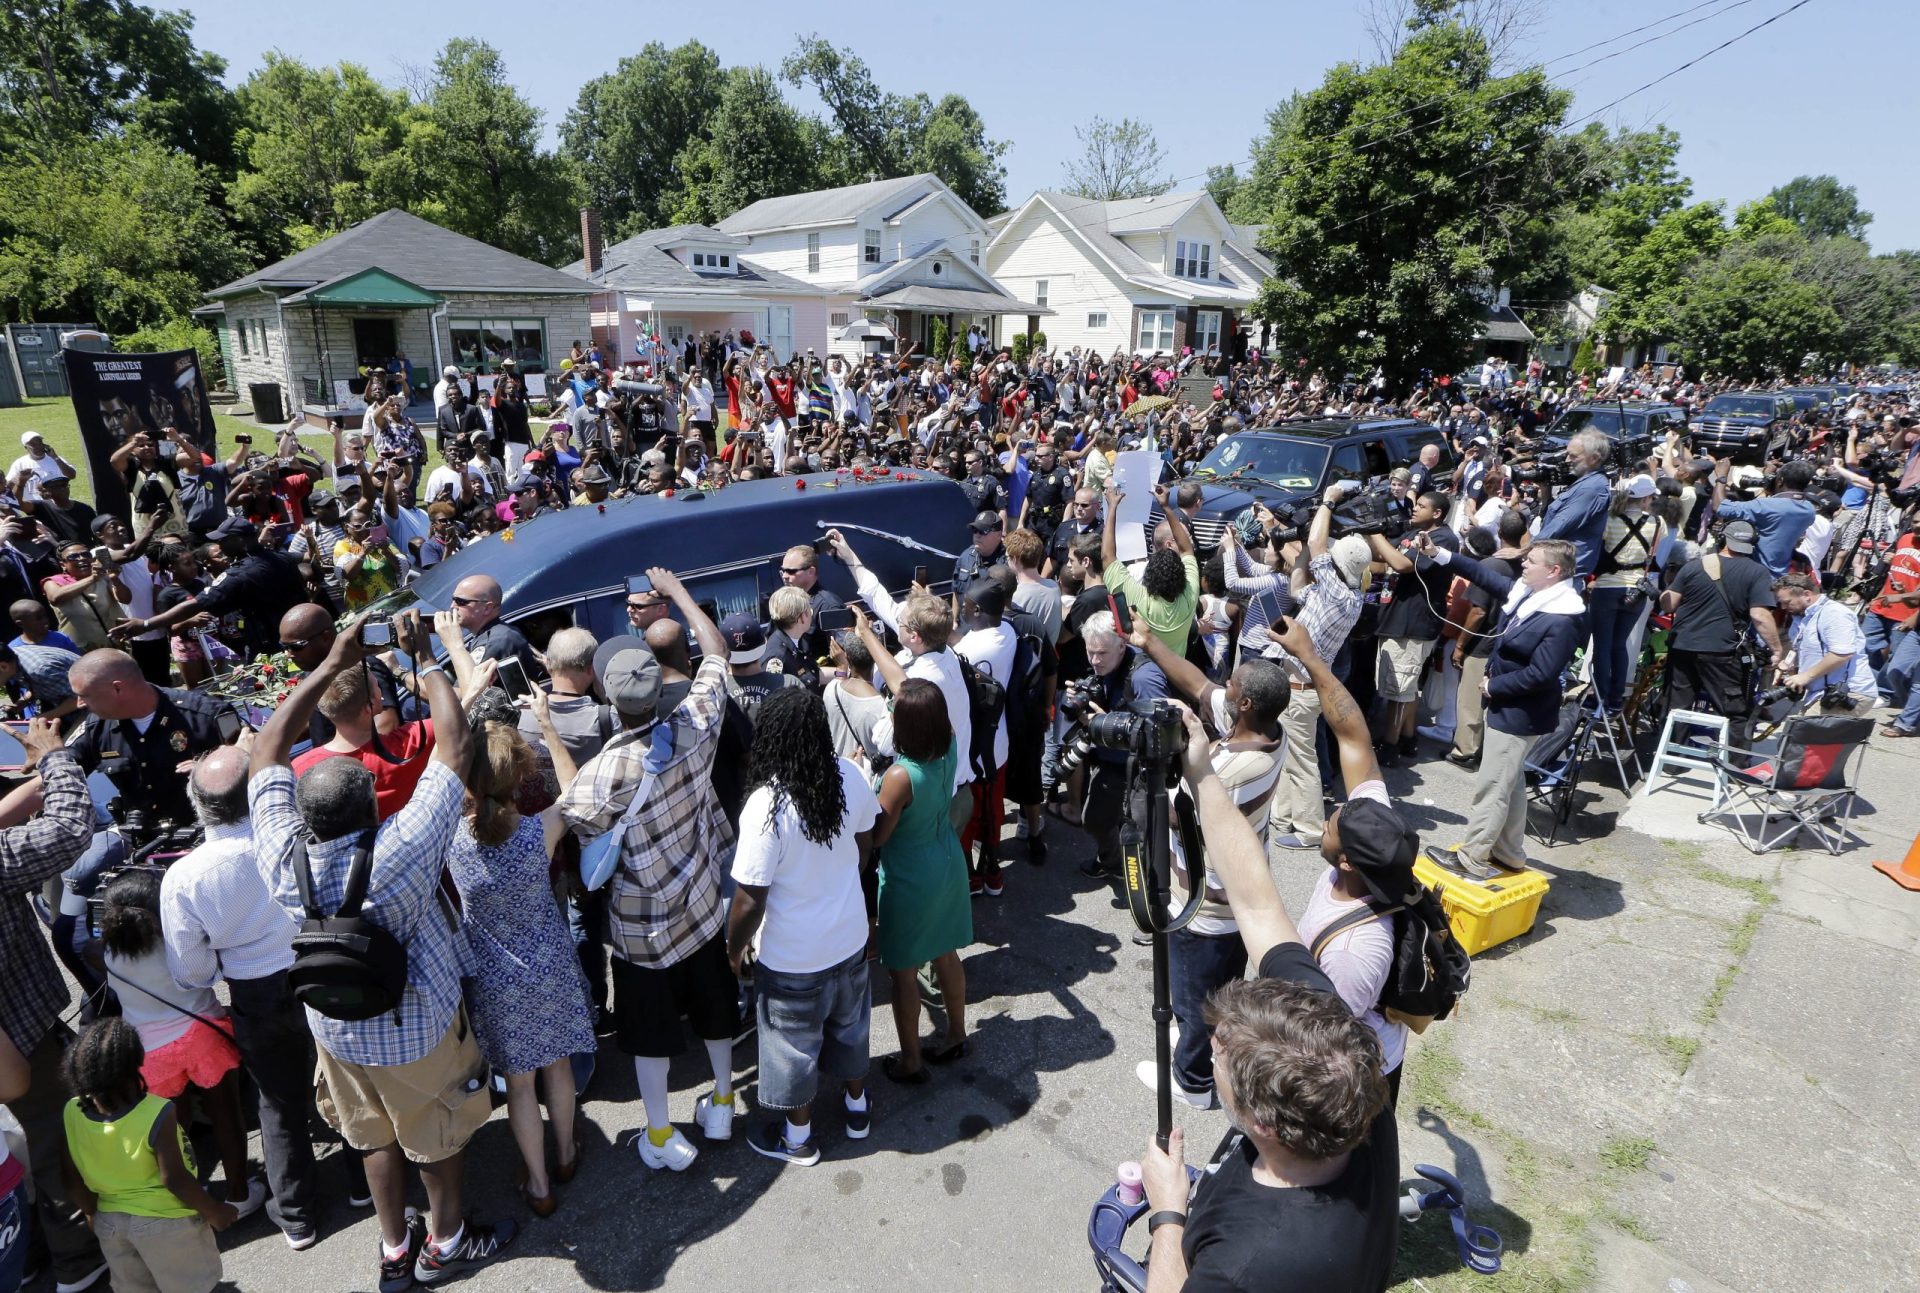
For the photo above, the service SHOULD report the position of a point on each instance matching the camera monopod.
(1146, 874)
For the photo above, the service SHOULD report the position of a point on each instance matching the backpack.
(1431, 971)
(1026, 685)
(344, 965)
(986, 702)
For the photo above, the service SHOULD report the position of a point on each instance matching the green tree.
(1396, 196)
(1118, 159)
(475, 140)
(73, 69)
(1223, 186)
(1651, 279)
(1631, 179)
(1822, 207)
(884, 136)
(625, 133)
(121, 230)
(318, 149)
(760, 147)
(1748, 315)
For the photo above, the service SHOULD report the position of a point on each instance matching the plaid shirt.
(403, 898)
(1328, 611)
(666, 894)
(32, 993)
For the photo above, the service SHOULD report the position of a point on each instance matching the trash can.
(268, 408)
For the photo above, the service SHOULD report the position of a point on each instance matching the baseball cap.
(1739, 536)
(1478, 442)
(985, 523)
(1641, 486)
(986, 593)
(1381, 847)
(320, 498)
(451, 370)
(525, 480)
(101, 522)
(629, 676)
(746, 640)
(28, 437)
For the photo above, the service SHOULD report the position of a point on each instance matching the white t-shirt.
(1817, 540)
(42, 468)
(138, 577)
(699, 402)
(1358, 961)
(816, 917)
(990, 650)
(1249, 776)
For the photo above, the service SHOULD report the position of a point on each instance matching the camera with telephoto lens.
(1772, 695)
(1148, 729)
(1547, 469)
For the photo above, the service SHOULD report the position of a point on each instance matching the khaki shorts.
(1397, 672)
(157, 1254)
(432, 1106)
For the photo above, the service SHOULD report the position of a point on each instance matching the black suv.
(1747, 425)
(1636, 427)
(1291, 461)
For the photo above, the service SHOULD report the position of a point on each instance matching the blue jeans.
(1196, 965)
(1613, 623)
(812, 1024)
(13, 1238)
(1881, 638)
(77, 884)
(1898, 679)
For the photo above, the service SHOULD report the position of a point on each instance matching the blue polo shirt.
(1778, 523)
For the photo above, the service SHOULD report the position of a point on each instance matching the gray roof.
(966, 300)
(1090, 218)
(643, 263)
(828, 206)
(1504, 325)
(417, 250)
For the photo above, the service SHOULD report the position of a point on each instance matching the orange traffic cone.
(1907, 873)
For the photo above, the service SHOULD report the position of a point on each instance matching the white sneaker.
(677, 1154)
(1020, 827)
(716, 1120)
(1149, 1074)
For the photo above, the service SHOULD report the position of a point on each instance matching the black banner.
(119, 397)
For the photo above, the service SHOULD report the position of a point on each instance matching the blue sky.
(1826, 89)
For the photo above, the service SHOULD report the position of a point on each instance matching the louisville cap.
(629, 675)
(746, 640)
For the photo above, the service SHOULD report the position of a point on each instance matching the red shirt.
(393, 783)
(780, 387)
(1903, 576)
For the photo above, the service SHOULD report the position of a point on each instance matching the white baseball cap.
(27, 439)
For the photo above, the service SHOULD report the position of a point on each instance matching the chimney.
(593, 244)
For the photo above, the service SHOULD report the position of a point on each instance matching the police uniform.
(144, 766)
(985, 492)
(788, 656)
(1047, 499)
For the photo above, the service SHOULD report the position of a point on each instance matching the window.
(726, 262)
(1204, 265)
(482, 343)
(1097, 321)
(699, 260)
(241, 333)
(1040, 292)
(938, 268)
(973, 250)
(1156, 331)
(261, 337)
(838, 319)
(870, 246)
(1206, 332)
(813, 253)
(1180, 260)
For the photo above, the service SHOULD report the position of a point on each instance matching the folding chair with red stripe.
(1807, 783)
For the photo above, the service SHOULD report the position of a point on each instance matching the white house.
(904, 252)
(1146, 274)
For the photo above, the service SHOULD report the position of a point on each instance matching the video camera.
(151, 846)
(1371, 511)
(1544, 469)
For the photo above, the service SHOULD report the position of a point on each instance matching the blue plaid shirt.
(403, 897)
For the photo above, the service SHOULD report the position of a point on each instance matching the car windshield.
(1741, 405)
(1275, 460)
(1606, 421)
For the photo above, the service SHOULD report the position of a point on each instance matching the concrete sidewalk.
(1693, 1074)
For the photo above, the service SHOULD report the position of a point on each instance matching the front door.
(374, 341)
(780, 331)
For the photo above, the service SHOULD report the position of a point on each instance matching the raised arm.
(1346, 724)
(1184, 676)
(1109, 551)
(452, 737)
(705, 633)
(1176, 521)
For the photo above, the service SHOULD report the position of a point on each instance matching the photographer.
(1578, 513)
(1779, 519)
(1716, 600)
(1540, 627)
(1827, 661)
(1120, 676)
(1302, 1195)
(1410, 623)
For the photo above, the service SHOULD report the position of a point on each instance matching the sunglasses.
(297, 644)
(646, 606)
(469, 601)
(791, 570)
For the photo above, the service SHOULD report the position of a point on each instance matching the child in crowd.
(129, 1167)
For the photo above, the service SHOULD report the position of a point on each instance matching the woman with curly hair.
(529, 1001)
(803, 840)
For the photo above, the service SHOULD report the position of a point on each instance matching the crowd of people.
(417, 878)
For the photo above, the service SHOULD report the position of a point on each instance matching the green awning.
(367, 289)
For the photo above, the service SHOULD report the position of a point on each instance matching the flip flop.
(948, 1054)
(899, 1072)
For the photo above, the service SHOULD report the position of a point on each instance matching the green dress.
(925, 911)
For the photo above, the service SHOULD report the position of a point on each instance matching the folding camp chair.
(1808, 783)
(1553, 767)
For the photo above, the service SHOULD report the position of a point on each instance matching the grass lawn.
(54, 419)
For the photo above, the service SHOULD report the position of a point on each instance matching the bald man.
(668, 640)
(220, 922)
(306, 634)
(476, 604)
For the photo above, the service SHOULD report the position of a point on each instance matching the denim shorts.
(811, 1024)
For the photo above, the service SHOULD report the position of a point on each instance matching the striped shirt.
(1249, 770)
(218, 918)
(403, 898)
(1267, 595)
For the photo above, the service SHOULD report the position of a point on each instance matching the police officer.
(983, 490)
(1049, 491)
(984, 554)
(141, 736)
(790, 627)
